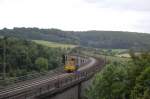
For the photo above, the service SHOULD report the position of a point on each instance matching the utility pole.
(4, 59)
(105, 58)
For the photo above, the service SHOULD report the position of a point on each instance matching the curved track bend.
(27, 86)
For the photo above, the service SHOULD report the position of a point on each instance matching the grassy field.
(109, 56)
(54, 44)
(126, 55)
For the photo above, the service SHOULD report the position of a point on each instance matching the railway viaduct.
(60, 86)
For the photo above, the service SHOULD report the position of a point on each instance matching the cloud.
(139, 5)
(75, 14)
(1, 1)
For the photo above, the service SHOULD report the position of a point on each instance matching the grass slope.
(54, 44)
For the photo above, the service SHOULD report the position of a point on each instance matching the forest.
(123, 80)
(22, 57)
(127, 78)
(98, 39)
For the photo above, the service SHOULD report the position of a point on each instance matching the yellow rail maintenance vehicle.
(70, 63)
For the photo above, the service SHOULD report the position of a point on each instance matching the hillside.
(53, 44)
(24, 57)
(100, 39)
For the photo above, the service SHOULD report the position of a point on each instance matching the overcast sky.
(122, 15)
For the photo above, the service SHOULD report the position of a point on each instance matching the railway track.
(38, 83)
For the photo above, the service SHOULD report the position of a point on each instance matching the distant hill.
(100, 39)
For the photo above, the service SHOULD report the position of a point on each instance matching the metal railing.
(14, 80)
(54, 86)
(63, 83)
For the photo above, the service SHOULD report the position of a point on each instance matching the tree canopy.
(99, 39)
(23, 56)
(123, 80)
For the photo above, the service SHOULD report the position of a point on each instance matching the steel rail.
(28, 86)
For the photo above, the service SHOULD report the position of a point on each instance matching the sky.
(77, 15)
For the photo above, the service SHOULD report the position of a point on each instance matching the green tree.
(111, 83)
(142, 87)
(123, 81)
(41, 63)
(21, 57)
(139, 63)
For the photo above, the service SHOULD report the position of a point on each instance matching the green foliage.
(23, 57)
(111, 83)
(142, 88)
(140, 63)
(98, 39)
(124, 80)
(41, 63)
